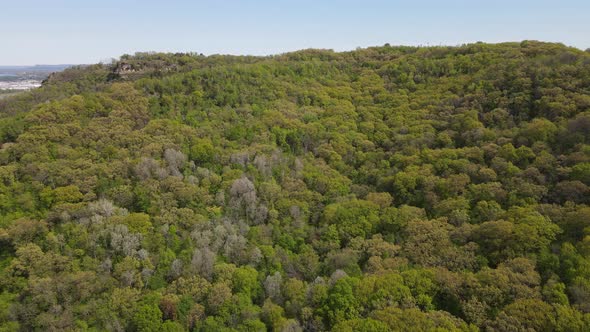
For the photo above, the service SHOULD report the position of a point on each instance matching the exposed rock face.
(133, 70)
(124, 69)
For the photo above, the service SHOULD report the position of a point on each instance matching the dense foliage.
(384, 189)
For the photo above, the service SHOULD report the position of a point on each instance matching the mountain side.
(383, 189)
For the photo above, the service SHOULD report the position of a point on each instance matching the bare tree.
(175, 160)
(243, 198)
(337, 275)
(150, 168)
(103, 207)
(203, 262)
(272, 287)
(175, 269)
(123, 241)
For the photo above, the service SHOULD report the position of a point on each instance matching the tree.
(352, 218)
(341, 304)
(413, 319)
(272, 287)
(525, 315)
(362, 325)
(203, 261)
(148, 318)
(527, 232)
(429, 244)
(379, 291)
(67, 194)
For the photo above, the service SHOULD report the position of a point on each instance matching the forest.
(390, 188)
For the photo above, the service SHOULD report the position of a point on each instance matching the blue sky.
(85, 31)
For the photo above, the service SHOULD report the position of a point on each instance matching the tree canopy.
(383, 189)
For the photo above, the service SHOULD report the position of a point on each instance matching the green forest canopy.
(383, 189)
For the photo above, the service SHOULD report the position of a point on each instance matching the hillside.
(382, 189)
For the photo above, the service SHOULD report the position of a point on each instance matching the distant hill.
(26, 77)
(41, 70)
(38, 67)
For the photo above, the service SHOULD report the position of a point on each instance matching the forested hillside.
(383, 189)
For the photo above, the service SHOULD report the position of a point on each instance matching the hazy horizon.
(2, 65)
(70, 32)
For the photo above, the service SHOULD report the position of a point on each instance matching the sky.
(87, 31)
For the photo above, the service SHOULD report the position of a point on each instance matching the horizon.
(41, 65)
(290, 51)
(69, 32)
